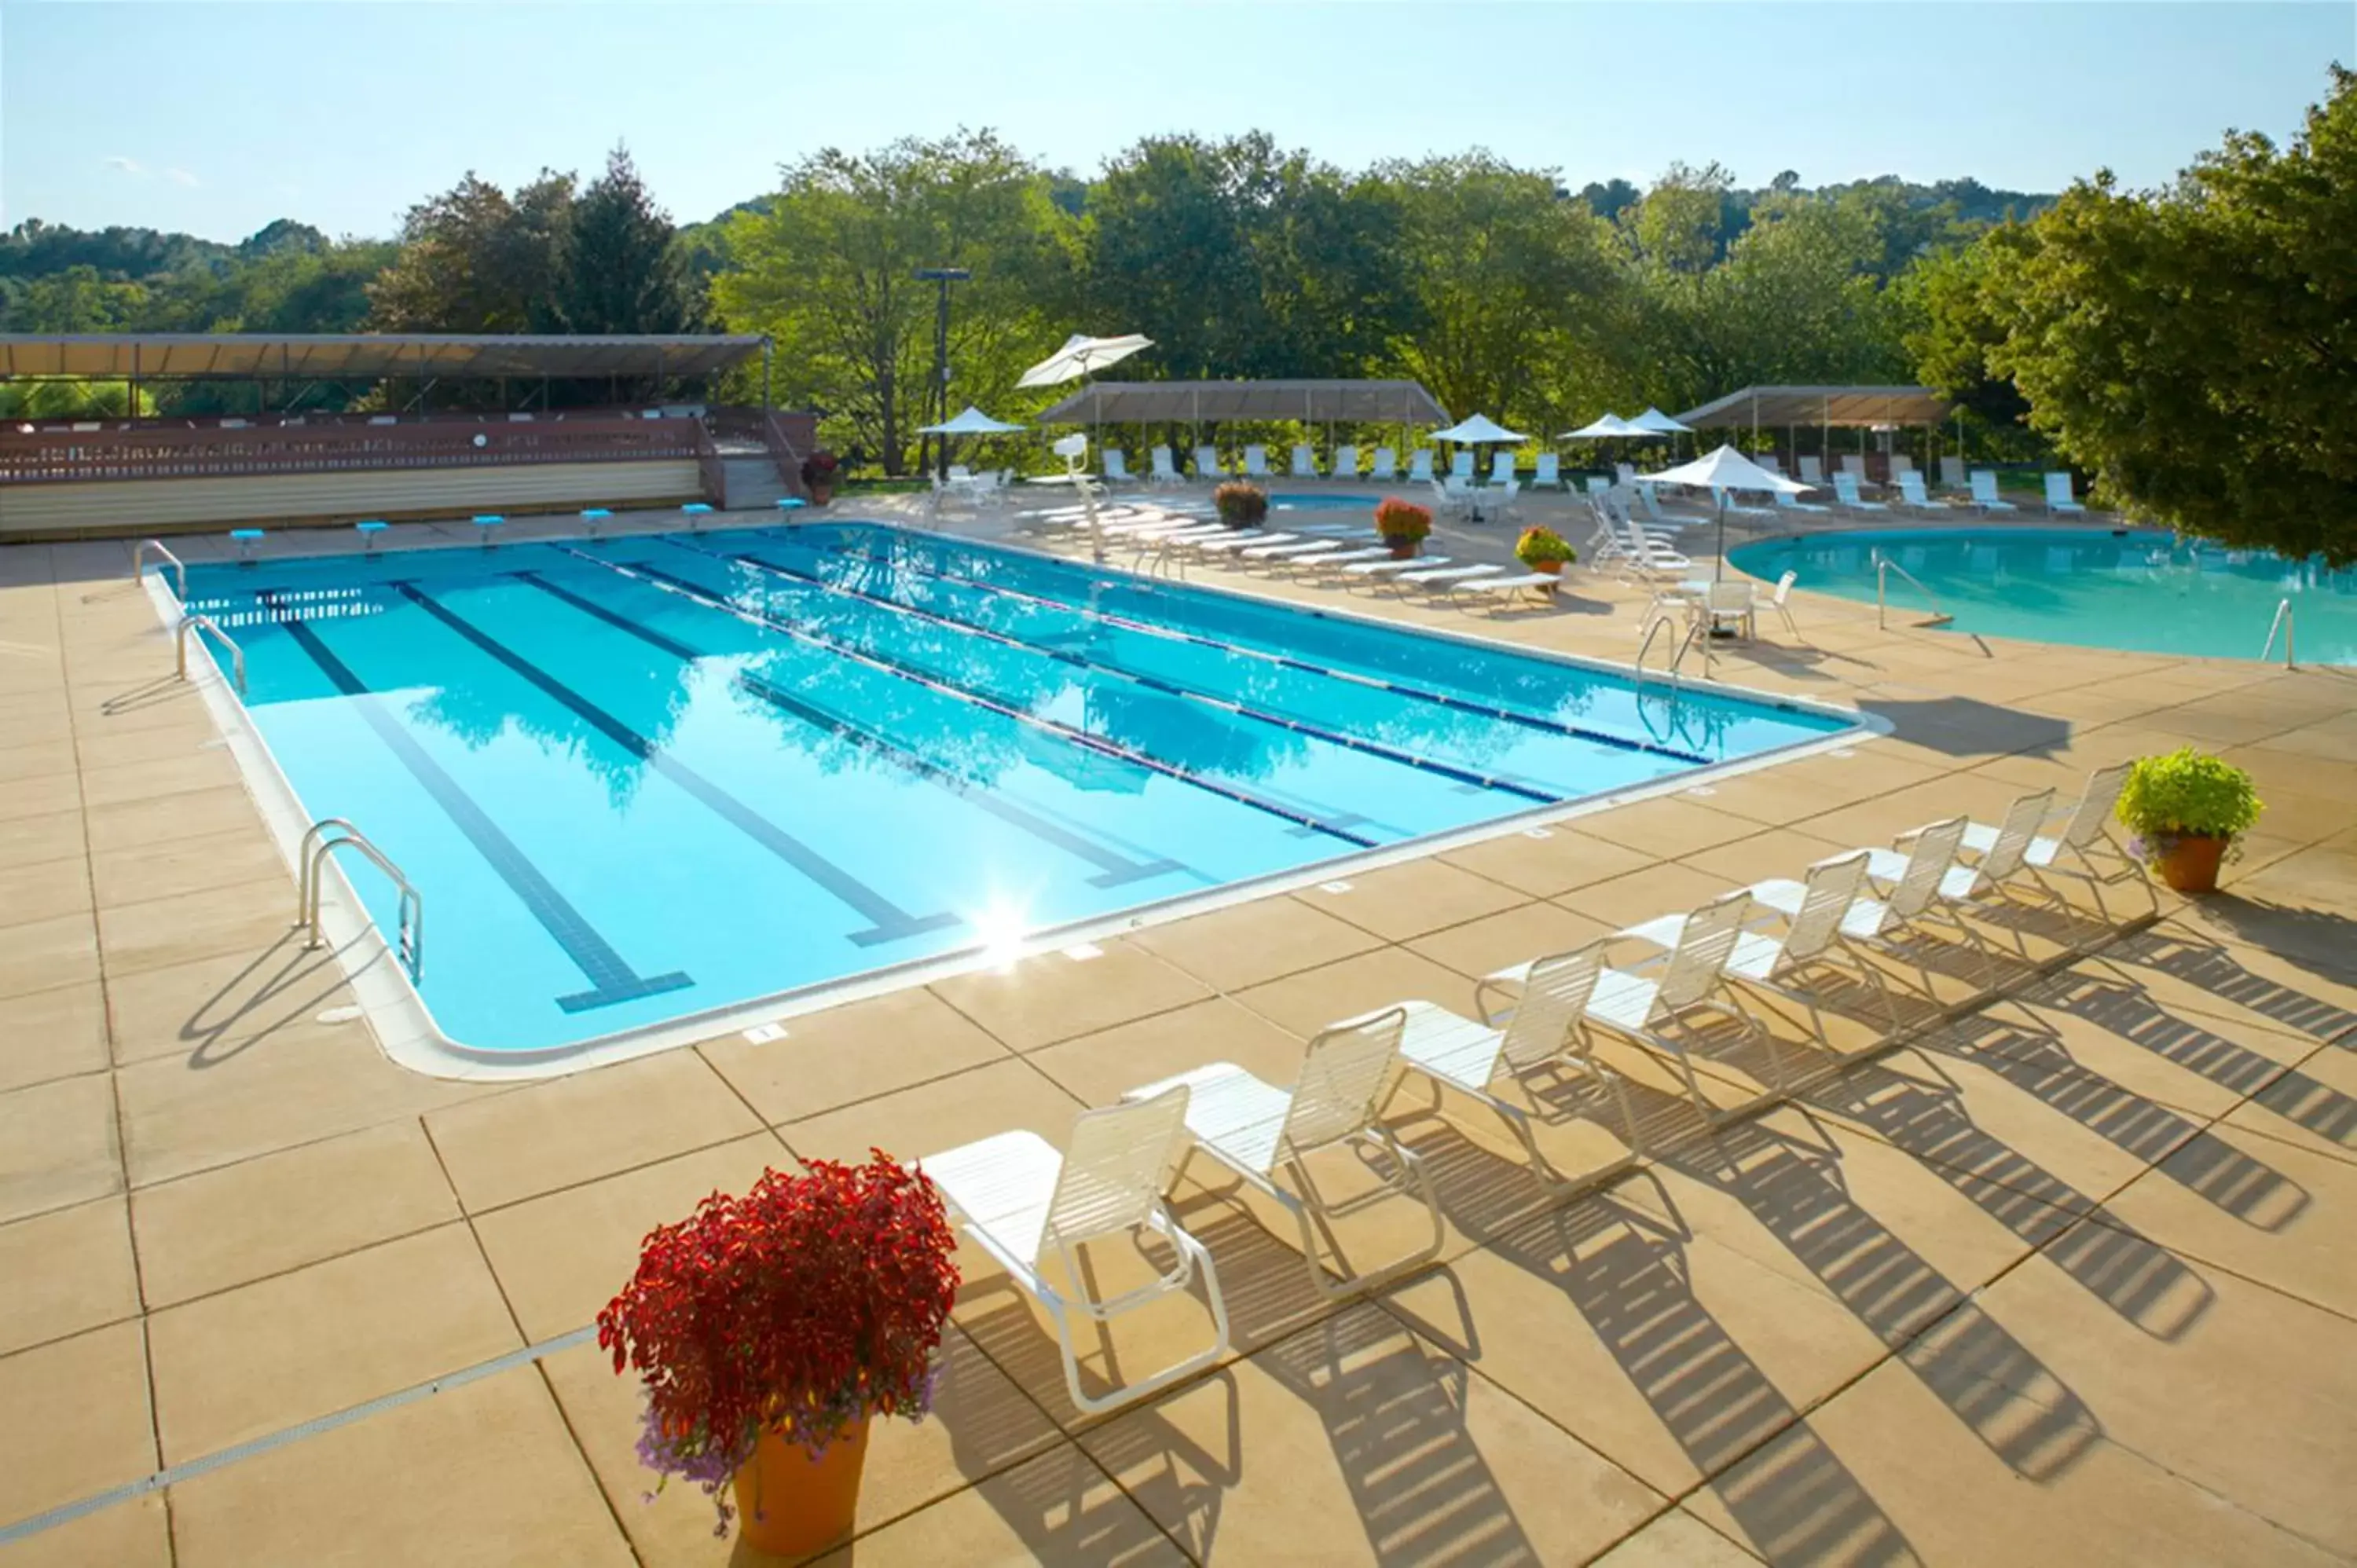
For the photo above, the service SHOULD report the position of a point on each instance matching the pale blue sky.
(216, 118)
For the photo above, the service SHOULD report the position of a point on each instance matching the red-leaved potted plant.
(770, 1329)
(818, 475)
(1403, 524)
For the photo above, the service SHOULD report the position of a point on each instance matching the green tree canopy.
(474, 259)
(622, 271)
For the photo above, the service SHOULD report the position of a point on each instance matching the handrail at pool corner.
(312, 854)
(206, 623)
(2287, 623)
(139, 564)
(1883, 566)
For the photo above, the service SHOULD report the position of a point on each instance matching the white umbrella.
(1655, 419)
(1083, 355)
(1720, 472)
(1476, 430)
(1611, 426)
(973, 422)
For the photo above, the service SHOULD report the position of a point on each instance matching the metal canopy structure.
(254, 356)
(1821, 406)
(1193, 403)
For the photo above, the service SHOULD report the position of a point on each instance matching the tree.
(475, 260)
(2196, 346)
(1957, 297)
(622, 271)
(78, 300)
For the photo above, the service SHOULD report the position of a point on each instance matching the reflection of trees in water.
(653, 697)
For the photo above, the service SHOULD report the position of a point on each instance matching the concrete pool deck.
(2067, 1278)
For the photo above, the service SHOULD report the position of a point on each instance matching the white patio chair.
(1503, 496)
(1207, 464)
(2058, 498)
(1024, 1204)
(1984, 496)
(1304, 463)
(1846, 493)
(2086, 835)
(1787, 502)
(1541, 1042)
(1626, 473)
(1419, 465)
(1597, 485)
(1779, 600)
(1501, 468)
(1549, 473)
(1386, 466)
(1734, 600)
(1346, 463)
(1165, 471)
(1448, 500)
(1116, 465)
(1258, 1129)
(1256, 463)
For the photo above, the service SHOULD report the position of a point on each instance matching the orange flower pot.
(2190, 864)
(1552, 568)
(791, 1502)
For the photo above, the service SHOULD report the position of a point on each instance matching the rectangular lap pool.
(657, 778)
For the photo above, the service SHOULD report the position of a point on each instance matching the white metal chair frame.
(1656, 1015)
(2086, 832)
(1812, 940)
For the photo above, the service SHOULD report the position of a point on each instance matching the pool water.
(1365, 505)
(2138, 589)
(660, 775)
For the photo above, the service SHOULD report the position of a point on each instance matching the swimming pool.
(2136, 588)
(670, 775)
(1283, 502)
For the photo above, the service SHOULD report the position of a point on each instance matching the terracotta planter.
(821, 494)
(1552, 568)
(790, 1503)
(2190, 864)
(1403, 549)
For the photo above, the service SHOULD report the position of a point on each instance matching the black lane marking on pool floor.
(1114, 870)
(665, 580)
(887, 921)
(1416, 693)
(610, 977)
(1375, 749)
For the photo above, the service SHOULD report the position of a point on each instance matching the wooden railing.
(157, 453)
(787, 437)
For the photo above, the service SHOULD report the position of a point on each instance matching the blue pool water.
(658, 775)
(1281, 501)
(2138, 589)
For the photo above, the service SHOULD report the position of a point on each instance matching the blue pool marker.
(488, 521)
(791, 504)
(247, 538)
(597, 517)
(368, 530)
(696, 512)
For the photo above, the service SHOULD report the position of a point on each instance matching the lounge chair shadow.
(1924, 1115)
(2322, 941)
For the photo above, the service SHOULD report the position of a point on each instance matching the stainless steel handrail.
(2288, 624)
(1883, 566)
(206, 623)
(139, 564)
(1653, 629)
(409, 940)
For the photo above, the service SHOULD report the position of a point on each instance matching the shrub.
(1539, 546)
(813, 1300)
(1398, 520)
(2187, 794)
(819, 468)
(1241, 505)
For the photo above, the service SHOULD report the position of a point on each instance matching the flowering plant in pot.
(1241, 505)
(2185, 810)
(1403, 524)
(1544, 549)
(770, 1329)
(818, 475)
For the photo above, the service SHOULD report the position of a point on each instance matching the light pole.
(944, 276)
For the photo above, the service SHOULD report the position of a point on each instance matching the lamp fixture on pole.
(943, 276)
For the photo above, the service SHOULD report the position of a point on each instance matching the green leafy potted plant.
(1544, 549)
(1404, 525)
(818, 475)
(2184, 811)
(770, 1329)
(1241, 505)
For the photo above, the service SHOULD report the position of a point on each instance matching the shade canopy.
(1726, 470)
(1312, 402)
(1083, 355)
(1477, 429)
(1654, 419)
(1846, 406)
(973, 422)
(1610, 427)
(364, 356)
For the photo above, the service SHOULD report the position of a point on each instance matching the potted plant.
(770, 1329)
(818, 475)
(1544, 549)
(1404, 525)
(2185, 811)
(1241, 505)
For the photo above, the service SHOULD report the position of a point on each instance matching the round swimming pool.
(2136, 588)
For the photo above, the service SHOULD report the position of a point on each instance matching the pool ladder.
(1686, 642)
(1883, 566)
(196, 623)
(139, 564)
(409, 938)
(2283, 622)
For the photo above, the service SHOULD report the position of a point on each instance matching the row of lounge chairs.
(1384, 467)
(1527, 1039)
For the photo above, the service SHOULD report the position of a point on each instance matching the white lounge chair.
(1256, 463)
(1597, 485)
(1498, 589)
(1787, 502)
(1419, 465)
(2085, 835)
(1256, 1130)
(1028, 1206)
(1165, 471)
(1116, 465)
(1346, 463)
(1730, 501)
(1900, 463)
(1444, 579)
(1658, 1013)
(1460, 466)
(1304, 463)
(1549, 473)
(1541, 1044)
(1901, 907)
(2058, 498)
(1813, 470)
(1854, 465)
(1501, 468)
(1382, 571)
(1769, 461)
(1626, 473)
(1846, 493)
(1952, 473)
(1984, 496)
(1324, 565)
(1912, 496)
(1207, 464)
(1386, 466)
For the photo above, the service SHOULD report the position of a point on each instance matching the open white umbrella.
(1609, 427)
(1083, 355)
(973, 422)
(1473, 431)
(1654, 419)
(1720, 472)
